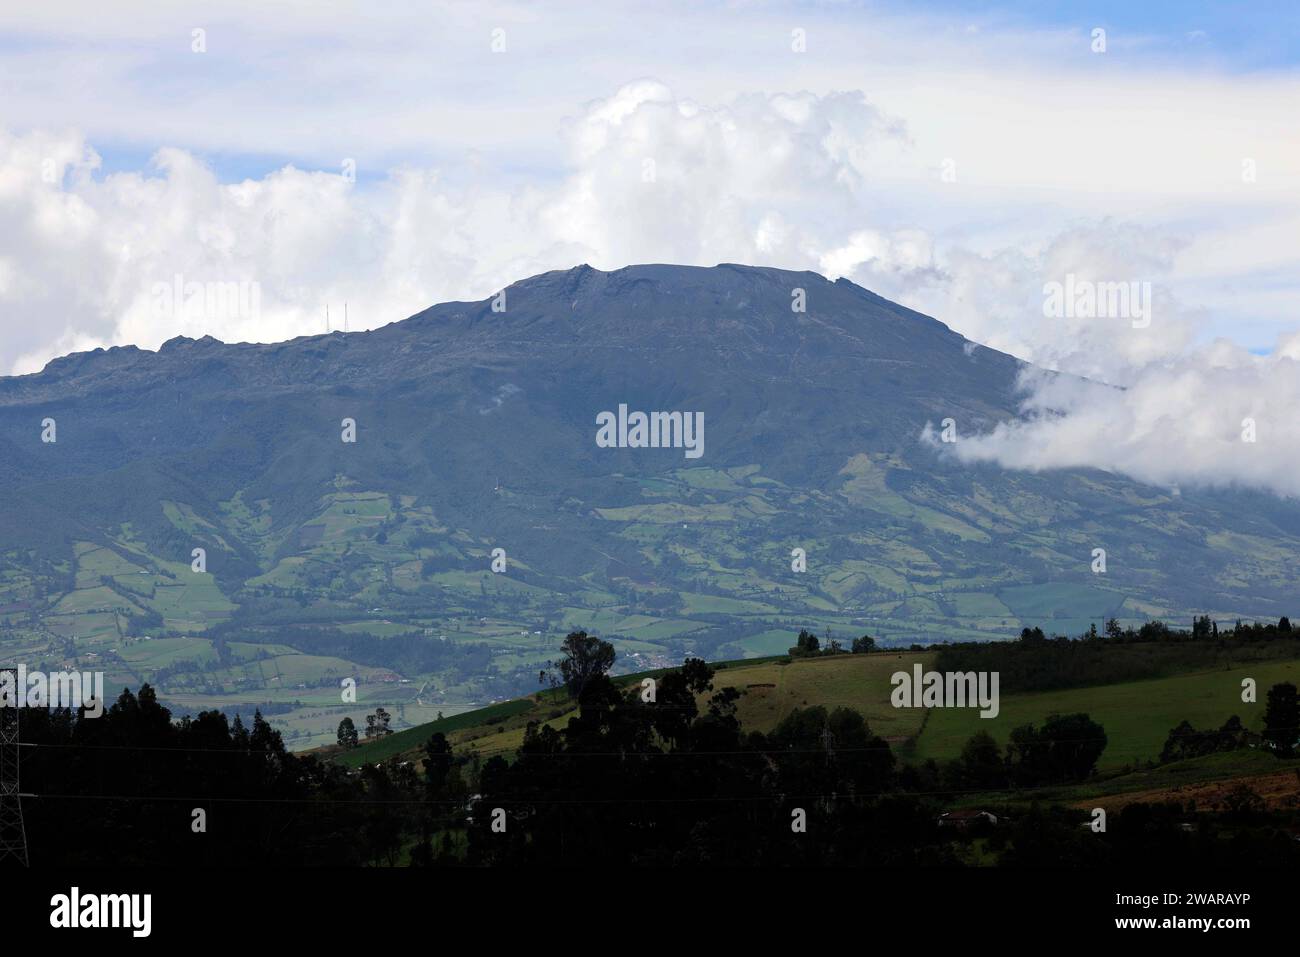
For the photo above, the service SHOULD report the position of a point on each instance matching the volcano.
(477, 428)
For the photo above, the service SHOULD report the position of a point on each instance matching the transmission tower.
(13, 836)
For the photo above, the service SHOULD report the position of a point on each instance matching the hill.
(1137, 716)
(476, 430)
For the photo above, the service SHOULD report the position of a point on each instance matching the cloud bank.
(89, 260)
(799, 180)
(1217, 417)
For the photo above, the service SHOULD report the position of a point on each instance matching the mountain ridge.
(476, 430)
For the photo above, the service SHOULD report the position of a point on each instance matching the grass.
(499, 728)
(860, 682)
(413, 739)
(1137, 715)
(710, 539)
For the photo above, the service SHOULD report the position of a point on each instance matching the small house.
(966, 818)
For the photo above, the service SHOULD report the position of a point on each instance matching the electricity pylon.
(13, 835)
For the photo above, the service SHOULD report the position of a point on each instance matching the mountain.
(476, 429)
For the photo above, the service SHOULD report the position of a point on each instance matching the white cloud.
(767, 179)
(1123, 167)
(1217, 417)
(999, 299)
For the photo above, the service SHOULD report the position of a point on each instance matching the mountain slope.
(476, 429)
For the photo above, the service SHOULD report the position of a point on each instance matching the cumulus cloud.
(89, 259)
(796, 180)
(1216, 417)
(1140, 397)
(1002, 299)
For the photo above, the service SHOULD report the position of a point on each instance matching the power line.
(13, 834)
(527, 802)
(886, 746)
(555, 754)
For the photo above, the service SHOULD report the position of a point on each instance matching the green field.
(860, 682)
(412, 739)
(1137, 716)
(702, 574)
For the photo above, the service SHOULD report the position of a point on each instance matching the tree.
(1065, 750)
(1183, 742)
(347, 733)
(806, 644)
(863, 645)
(377, 724)
(585, 657)
(1282, 719)
(264, 737)
(981, 763)
(437, 763)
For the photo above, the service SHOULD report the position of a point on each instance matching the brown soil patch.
(1279, 789)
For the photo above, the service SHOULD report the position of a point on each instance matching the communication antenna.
(345, 317)
(13, 835)
(327, 319)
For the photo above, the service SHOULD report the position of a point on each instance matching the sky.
(958, 157)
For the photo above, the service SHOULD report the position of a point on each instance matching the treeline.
(1065, 750)
(808, 645)
(136, 788)
(1185, 742)
(1281, 733)
(407, 653)
(1036, 662)
(659, 774)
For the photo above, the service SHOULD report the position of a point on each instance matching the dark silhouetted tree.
(347, 733)
(1282, 719)
(586, 657)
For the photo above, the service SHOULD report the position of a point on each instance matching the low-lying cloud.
(1217, 417)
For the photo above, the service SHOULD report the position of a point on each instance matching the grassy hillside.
(499, 728)
(1137, 716)
(861, 682)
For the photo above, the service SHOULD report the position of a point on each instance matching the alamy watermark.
(20, 688)
(651, 430)
(75, 909)
(1085, 299)
(951, 689)
(181, 299)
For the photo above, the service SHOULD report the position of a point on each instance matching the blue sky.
(1050, 142)
(1196, 37)
(1242, 36)
(958, 158)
